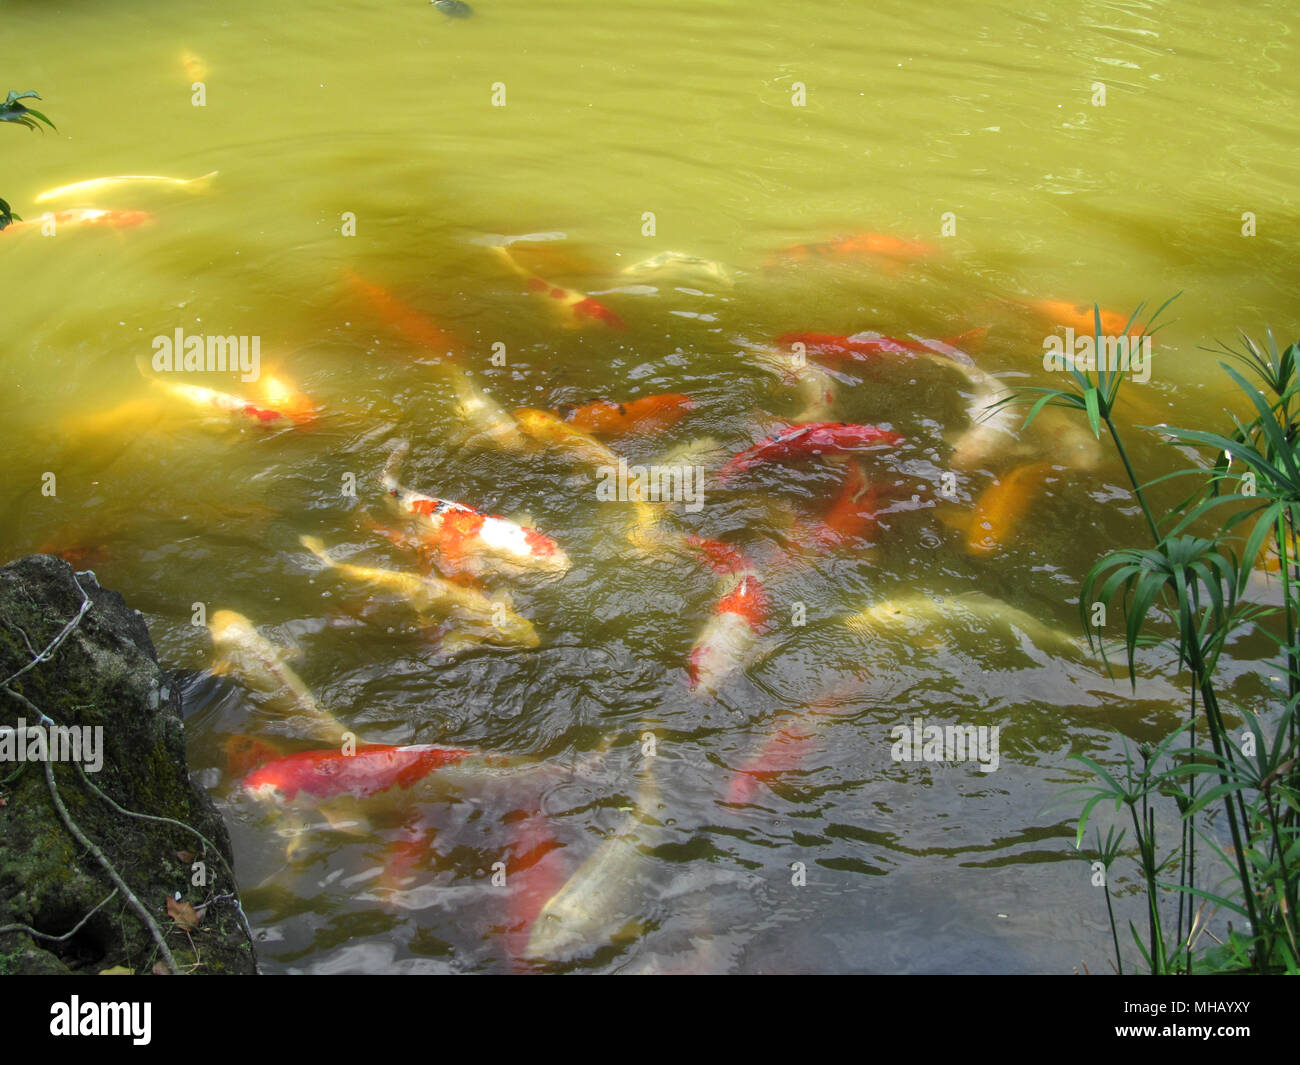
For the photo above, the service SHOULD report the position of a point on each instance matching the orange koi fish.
(1080, 318)
(857, 246)
(328, 774)
(247, 753)
(851, 516)
(729, 638)
(83, 216)
(998, 511)
(469, 538)
(409, 323)
(578, 307)
(648, 414)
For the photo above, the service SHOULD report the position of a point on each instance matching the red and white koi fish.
(855, 246)
(578, 308)
(242, 409)
(803, 440)
(730, 637)
(467, 539)
(82, 216)
(604, 899)
(648, 414)
(787, 745)
(535, 872)
(861, 347)
(408, 322)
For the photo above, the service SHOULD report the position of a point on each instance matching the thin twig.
(109, 868)
(55, 939)
(208, 844)
(53, 645)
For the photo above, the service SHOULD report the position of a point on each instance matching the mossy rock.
(106, 674)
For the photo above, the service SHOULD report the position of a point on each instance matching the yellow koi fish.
(548, 429)
(1001, 506)
(257, 662)
(919, 615)
(437, 596)
(95, 186)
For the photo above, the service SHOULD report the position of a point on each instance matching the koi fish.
(913, 615)
(547, 428)
(486, 420)
(195, 68)
(330, 774)
(435, 595)
(729, 639)
(677, 263)
(648, 414)
(82, 216)
(1080, 318)
(814, 386)
(850, 517)
(230, 404)
(861, 347)
(786, 746)
(468, 538)
(409, 323)
(282, 396)
(401, 855)
(809, 438)
(97, 185)
(535, 874)
(647, 532)
(246, 753)
(854, 247)
(577, 307)
(261, 666)
(1000, 507)
(602, 900)
(720, 557)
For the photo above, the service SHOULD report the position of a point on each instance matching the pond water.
(990, 162)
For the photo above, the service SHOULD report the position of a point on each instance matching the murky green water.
(977, 117)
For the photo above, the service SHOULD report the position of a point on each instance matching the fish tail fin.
(317, 547)
(972, 338)
(389, 476)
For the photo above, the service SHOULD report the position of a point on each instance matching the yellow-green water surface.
(1072, 152)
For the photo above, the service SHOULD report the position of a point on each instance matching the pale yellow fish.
(920, 616)
(97, 185)
(547, 428)
(435, 595)
(812, 385)
(648, 532)
(487, 422)
(195, 68)
(603, 900)
(242, 650)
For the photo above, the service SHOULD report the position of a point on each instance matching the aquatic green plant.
(12, 111)
(1251, 779)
